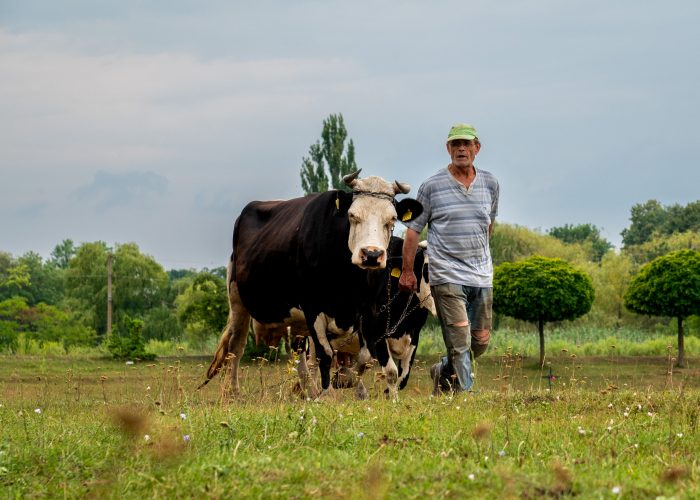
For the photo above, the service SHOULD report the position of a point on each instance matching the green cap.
(462, 131)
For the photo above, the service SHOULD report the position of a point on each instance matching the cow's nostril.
(372, 254)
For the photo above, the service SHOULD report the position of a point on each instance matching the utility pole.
(109, 294)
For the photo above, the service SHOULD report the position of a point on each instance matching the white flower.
(650, 414)
(581, 431)
(471, 477)
(360, 434)
(502, 453)
(37, 411)
(680, 434)
(186, 438)
(486, 458)
(616, 490)
(609, 428)
(626, 414)
(636, 445)
(313, 421)
(148, 387)
(457, 407)
(639, 407)
(129, 362)
(146, 438)
(183, 416)
(610, 405)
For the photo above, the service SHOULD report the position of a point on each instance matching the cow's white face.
(372, 217)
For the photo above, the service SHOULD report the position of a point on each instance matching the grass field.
(607, 426)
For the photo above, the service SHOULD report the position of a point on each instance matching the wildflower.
(186, 438)
(470, 477)
(148, 387)
(37, 411)
(616, 490)
(609, 428)
(650, 414)
(626, 414)
(502, 453)
(313, 421)
(457, 407)
(183, 416)
(486, 458)
(581, 431)
(610, 405)
(639, 407)
(636, 445)
(360, 434)
(129, 362)
(147, 438)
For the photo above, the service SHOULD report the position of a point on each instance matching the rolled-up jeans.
(457, 304)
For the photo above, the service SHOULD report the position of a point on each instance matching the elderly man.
(460, 206)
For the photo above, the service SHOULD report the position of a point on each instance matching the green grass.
(514, 436)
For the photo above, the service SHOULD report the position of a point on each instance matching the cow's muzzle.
(371, 257)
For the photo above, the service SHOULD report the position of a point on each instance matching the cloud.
(109, 190)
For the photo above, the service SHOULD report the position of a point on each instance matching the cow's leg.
(232, 341)
(240, 323)
(391, 373)
(324, 352)
(405, 363)
(363, 359)
(308, 384)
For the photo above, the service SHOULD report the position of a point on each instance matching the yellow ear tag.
(408, 215)
(337, 204)
(396, 272)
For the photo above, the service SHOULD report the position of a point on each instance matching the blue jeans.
(472, 308)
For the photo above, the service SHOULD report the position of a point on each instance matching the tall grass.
(577, 340)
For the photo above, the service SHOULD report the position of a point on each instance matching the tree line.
(64, 298)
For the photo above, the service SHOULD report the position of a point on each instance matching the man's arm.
(407, 281)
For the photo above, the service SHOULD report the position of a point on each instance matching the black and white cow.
(393, 321)
(321, 254)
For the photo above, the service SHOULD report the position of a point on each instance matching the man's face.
(462, 152)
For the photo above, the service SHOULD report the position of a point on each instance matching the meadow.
(602, 426)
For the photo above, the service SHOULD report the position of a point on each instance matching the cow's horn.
(350, 178)
(401, 187)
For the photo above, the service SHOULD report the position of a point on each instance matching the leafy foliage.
(203, 307)
(41, 323)
(540, 290)
(510, 243)
(661, 245)
(668, 286)
(328, 160)
(127, 341)
(651, 218)
(587, 234)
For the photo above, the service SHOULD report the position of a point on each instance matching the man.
(460, 204)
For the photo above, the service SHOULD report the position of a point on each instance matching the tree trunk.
(680, 362)
(540, 325)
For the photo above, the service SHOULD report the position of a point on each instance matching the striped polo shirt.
(458, 227)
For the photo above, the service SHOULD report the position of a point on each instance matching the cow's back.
(265, 242)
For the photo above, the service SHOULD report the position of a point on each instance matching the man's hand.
(408, 281)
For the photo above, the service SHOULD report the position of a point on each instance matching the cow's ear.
(343, 200)
(408, 209)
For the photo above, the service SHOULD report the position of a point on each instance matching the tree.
(661, 245)
(328, 161)
(668, 286)
(651, 219)
(540, 290)
(139, 283)
(203, 307)
(586, 234)
(62, 254)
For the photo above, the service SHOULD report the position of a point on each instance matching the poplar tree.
(330, 159)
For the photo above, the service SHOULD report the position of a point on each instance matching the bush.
(127, 342)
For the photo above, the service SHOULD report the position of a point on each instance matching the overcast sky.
(156, 122)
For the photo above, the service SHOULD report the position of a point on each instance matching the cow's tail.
(222, 352)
